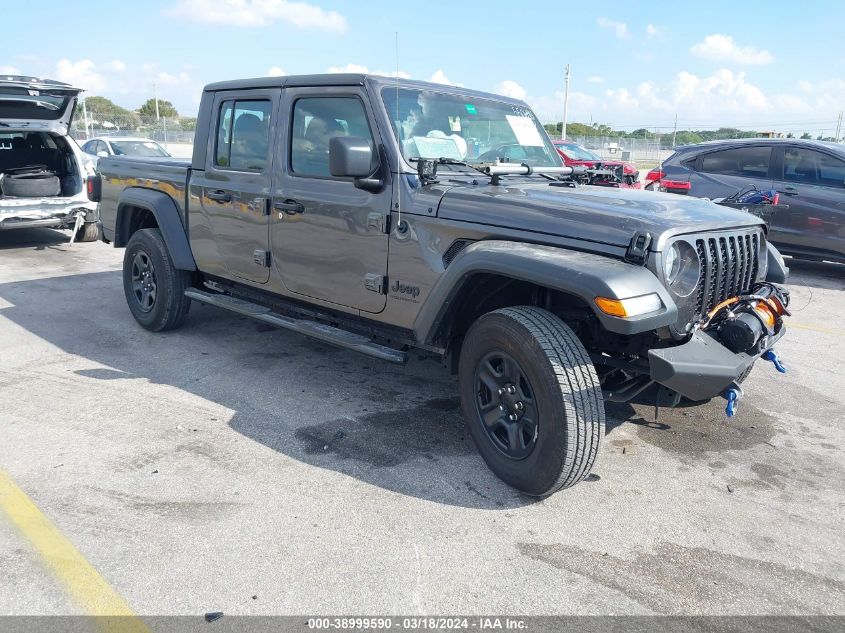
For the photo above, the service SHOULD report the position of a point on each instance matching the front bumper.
(701, 368)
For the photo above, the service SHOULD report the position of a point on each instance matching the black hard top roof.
(346, 79)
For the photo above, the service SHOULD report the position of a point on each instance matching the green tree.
(104, 107)
(188, 123)
(806, 136)
(165, 108)
(686, 137)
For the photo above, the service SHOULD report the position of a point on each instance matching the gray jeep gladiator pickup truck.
(382, 216)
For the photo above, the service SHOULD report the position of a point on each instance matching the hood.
(596, 214)
(30, 103)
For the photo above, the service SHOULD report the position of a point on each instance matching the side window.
(88, 148)
(316, 121)
(831, 171)
(224, 134)
(752, 162)
(812, 168)
(243, 134)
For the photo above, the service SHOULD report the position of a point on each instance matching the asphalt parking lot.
(232, 467)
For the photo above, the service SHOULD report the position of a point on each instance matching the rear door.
(329, 238)
(812, 183)
(234, 190)
(723, 172)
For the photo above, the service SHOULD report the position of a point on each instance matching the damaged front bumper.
(703, 368)
(22, 213)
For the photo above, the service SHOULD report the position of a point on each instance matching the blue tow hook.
(733, 395)
(772, 355)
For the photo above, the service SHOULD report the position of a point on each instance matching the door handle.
(291, 207)
(789, 191)
(219, 196)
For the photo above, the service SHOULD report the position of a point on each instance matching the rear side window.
(752, 162)
(243, 134)
(316, 121)
(812, 168)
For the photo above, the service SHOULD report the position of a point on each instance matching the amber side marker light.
(634, 306)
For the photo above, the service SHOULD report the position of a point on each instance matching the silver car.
(43, 171)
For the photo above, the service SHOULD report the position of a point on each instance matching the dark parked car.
(343, 208)
(809, 176)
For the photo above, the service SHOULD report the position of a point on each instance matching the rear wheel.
(531, 399)
(154, 288)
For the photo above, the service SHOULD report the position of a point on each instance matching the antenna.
(399, 154)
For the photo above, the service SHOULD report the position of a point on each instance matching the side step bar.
(325, 333)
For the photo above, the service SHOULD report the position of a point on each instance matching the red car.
(574, 154)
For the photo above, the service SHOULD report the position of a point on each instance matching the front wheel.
(531, 399)
(154, 287)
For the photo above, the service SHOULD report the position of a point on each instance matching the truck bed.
(168, 175)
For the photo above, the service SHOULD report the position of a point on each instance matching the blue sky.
(758, 65)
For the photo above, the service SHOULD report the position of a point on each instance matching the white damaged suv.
(43, 172)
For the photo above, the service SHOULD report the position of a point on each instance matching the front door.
(329, 238)
(234, 189)
(812, 183)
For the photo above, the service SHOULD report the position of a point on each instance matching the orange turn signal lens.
(613, 307)
(630, 307)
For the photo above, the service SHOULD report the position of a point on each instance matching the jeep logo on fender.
(405, 289)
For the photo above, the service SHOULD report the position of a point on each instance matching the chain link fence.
(176, 134)
(643, 151)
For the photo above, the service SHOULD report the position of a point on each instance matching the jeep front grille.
(728, 265)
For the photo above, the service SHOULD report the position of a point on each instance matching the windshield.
(137, 148)
(431, 124)
(576, 152)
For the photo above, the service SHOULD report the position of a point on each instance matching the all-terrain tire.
(87, 233)
(565, 396)
(154, 288)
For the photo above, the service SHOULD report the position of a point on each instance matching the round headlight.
(681, 268)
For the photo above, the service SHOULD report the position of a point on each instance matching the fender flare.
(584, 275)
(169, 220)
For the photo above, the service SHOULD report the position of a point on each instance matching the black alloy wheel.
(506, 405)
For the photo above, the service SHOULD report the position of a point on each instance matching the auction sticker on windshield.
(525, 131)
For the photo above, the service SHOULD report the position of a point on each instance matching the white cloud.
(81, 74)
(276, 71)
(652, 30)
(439, 77)
(722, 48)
(510, 88)
(168, 79)
(620, 29)
(595, 79)
(723, 98)
(116, 66)
(256, 13)
(9, 70)
(349, 68)
(393, 73)
(358, 68)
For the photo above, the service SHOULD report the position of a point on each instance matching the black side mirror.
(350, 156)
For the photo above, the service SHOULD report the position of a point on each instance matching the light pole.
(565, 104)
